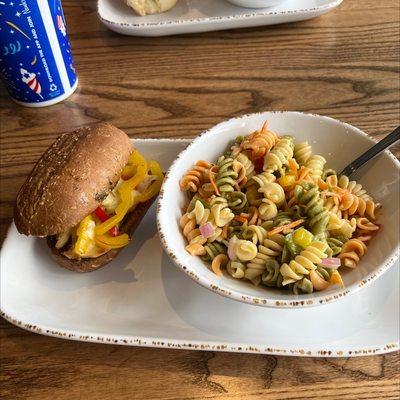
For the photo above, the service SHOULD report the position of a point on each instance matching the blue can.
(36, 63)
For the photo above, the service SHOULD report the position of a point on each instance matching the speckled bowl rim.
(265, 301)
(257, 14)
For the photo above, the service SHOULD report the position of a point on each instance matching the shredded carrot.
(322, 185)
(283, 227)
(303, 173)
(265, 126)
(210, 175)
(241, 219)
(293, 166)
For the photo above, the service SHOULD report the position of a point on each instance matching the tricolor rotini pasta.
(268, 211)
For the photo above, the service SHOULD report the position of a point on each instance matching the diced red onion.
(207, 230)
(331, 262)
(231, 248)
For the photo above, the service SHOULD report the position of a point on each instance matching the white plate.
(190, 16)
(142, 299)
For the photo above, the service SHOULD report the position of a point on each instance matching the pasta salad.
(270, 212)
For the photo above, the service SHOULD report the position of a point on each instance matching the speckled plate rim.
(205, 345)
(216, 20)
(319, 299)
(142, 341)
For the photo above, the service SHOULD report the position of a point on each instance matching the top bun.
(71, 179)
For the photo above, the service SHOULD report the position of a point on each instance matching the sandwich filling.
(99, 232)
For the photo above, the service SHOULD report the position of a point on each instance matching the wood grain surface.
(344, 64)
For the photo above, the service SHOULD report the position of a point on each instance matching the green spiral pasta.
(293, 248)
(226, 176)
(255, 233)
(271, 276)
(283, 218)
(328, 172)
(237, 201)
(296, 212)
(193, 201)
(323, 272)
(304, 285)
(236, 230)
(335, 244)
(212, 250)
(314, 208)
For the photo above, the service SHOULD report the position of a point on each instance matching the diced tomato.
(101, 214)
(114, 231)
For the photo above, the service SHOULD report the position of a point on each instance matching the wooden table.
(344, 64)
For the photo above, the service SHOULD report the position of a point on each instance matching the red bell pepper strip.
(103, 216)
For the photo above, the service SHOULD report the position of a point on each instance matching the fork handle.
(372, 152)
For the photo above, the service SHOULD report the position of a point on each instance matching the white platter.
(190, 16)
(142, 299)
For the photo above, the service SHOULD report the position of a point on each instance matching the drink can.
(36, 63)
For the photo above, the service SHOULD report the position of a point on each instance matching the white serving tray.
(190, 16)
(142, 299)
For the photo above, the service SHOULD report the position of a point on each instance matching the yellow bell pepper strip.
(126, 194)
(128, 172)
(83, 239)
(113, 242)
(103, 216)
(155, 186)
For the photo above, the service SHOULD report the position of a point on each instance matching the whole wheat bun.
(129, 225)
(71, 179)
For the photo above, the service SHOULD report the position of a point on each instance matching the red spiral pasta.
(194, 178)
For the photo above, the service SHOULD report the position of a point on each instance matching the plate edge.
(215, 20)
(181, 344)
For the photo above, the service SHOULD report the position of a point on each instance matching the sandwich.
(86, 195)
(145, 7)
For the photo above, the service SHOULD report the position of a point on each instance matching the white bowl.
(339, 143)
(256, 3)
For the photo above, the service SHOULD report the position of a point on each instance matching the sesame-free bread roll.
(71, 179)
(145, 7)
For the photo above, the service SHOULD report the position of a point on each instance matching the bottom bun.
(129, 225)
